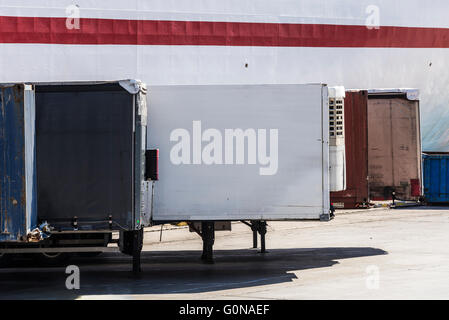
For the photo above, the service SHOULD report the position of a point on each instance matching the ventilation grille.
(336, 120)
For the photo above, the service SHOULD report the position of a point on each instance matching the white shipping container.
(240, 152)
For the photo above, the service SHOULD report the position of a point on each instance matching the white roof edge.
(337, 92)
(133, 86)
(412, 94)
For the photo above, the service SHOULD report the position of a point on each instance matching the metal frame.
(325, 216)
(61, 249)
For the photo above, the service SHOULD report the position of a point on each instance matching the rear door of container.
(394, 161)
(17, 162)
(85, 156)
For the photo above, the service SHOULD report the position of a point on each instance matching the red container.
(356, 141)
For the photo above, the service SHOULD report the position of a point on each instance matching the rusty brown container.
(356, 143)
(394, 145)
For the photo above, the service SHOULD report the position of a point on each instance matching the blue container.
(18, 207)
(436, 178)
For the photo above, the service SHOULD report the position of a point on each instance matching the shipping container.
(356, 143)
(73, 158)
(18, 196)
(436, 178)
(240, 152)
(394, 144)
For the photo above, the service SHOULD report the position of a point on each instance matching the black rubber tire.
(5, 259)
(53, 258)
(89, 254)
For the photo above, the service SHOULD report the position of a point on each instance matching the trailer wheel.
(4, 259)
(52, 258)
(89, 254)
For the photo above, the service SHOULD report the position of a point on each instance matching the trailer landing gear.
(254, 230)
(208, 236)
(137, 249)
(131, 243)
(261, 228)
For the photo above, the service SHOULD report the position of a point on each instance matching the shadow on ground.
(435, 207)
(170, 272)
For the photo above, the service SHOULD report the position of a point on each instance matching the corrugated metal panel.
(356, 141)
(436, 178)
(17, 165)
(394, 146)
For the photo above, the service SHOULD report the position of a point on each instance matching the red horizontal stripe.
(206, 33)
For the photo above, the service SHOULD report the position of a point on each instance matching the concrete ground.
(370, 254)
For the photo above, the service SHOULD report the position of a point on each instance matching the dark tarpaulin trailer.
(91, 141)
(356, 142)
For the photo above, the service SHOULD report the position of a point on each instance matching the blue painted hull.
(17, 163)
(436, 178)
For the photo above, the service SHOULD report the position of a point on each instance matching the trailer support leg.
(254, 230)
(208, 236)
(136, 263)
(255, 239)
(262, 232)
(137, 249)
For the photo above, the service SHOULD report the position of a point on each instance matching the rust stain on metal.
(5, 209)
(18, 98)
(34, 236)
(39, 233)
(14, 202)
(2, 104)
(5, 228)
